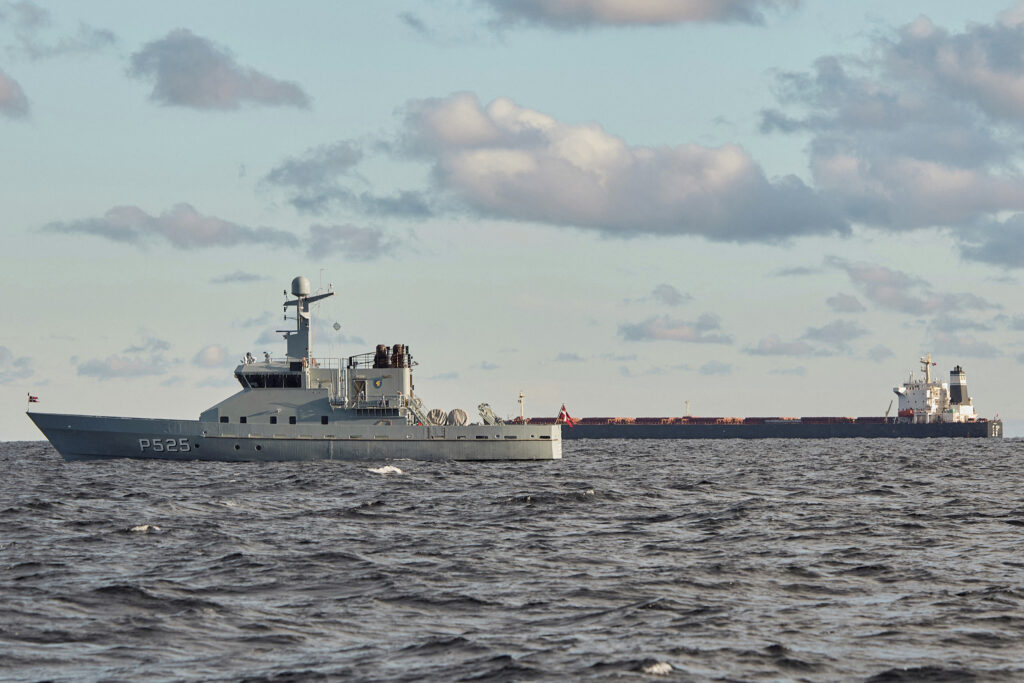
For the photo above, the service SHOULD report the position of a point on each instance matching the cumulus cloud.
(191, 71)
(798, 371)
(797, 271)
(574, 14)
(837, 334)
(147, 358)
(705, 330)
(313, 181)
(773, 345)
(507, 161)
(14, 368)
(952, 323)
(925, 129)
(13, 103)
(317, 167)
(238, 276)
(182, 227)
(815, 341)
(149, 345)
(669, 295)
(358, 244)
(959, 345)
(211, 356)
(117, 366)
(897, 291)
(844, 303)
(880, 353)
(715, 367)
(29, 23)
(997, 242)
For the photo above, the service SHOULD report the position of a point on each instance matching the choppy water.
(694, 560)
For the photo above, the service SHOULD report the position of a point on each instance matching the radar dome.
(300, 286)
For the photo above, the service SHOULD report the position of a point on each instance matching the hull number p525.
(165, 445)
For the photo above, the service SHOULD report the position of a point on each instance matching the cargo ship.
(927, 408)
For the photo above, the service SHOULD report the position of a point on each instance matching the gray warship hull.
(86, 437)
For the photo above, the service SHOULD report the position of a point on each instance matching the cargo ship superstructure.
(927, 408)
(302, 407)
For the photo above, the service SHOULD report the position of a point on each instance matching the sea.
(732, 560)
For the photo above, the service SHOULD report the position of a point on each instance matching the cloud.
(898, 291)
(182, 227)
(13, 103)
(879, 353)
(952, 323)
(445, 377)
(568, 357)
(14, 368)
(417, 25)
(664, 328)
(618, 358)
(191, 71)
(313, 182)
(211, 356)
(772, 345)
(836, 334)
(963, 345)
(576, 14)
(924, 129)
(797, 271)
(151, 345)
(317, 167)
(844, 303)
(402, 204)
(116, 366)
(28, 20)
(358, 244)
(510, 162)
(238, 276)
(139, 360)
(798, 371)
(669, 295)
(487, 365)
(997, 242)
(715, 367)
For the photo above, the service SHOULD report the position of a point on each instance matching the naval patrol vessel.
(303, 407)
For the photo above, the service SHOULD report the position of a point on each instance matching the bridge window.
(243, 419)
(269, 380)
(223, 418)
(323, 419)
(291, 419)
(273, 419)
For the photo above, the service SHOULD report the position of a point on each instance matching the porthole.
(237, 446)
(259, 447)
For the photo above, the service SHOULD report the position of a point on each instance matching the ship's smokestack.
(958, 387)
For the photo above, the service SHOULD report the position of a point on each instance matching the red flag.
(33, 399)
(565, 418)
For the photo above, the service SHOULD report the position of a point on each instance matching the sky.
(758, 207)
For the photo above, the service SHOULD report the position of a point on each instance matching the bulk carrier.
(927, 408)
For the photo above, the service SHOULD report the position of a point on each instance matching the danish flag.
(565, 418)
(33, 399)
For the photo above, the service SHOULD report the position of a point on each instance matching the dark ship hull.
(785, 429)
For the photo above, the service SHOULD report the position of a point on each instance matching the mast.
(927, 363)
(299, 341)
